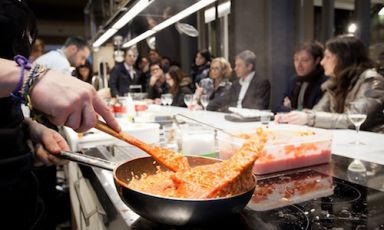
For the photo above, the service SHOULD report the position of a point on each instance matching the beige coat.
(369, 88)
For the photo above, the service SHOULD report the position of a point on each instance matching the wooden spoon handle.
(166, 157)
(100, 125)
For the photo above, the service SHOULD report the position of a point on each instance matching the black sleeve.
(113, 82)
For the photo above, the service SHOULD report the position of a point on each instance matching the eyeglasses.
(215, 68)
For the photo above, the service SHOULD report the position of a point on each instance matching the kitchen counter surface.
(372, 151)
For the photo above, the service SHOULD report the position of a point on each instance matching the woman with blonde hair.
(217, 85)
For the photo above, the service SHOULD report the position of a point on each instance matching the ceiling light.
(190, 10)
(127, 17)
(142, 36)
(104, 37)
(381, 12)
(135, 10)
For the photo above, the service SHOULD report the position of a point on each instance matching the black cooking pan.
(173, 211)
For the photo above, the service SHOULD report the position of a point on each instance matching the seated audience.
(200, 68)
(304, 89)
(84, 72)
(142, 64)
(217, 86)
(179, 85)
(354, 86)
(154, 56)
(123, 75)
(157, 84)
(249, 90)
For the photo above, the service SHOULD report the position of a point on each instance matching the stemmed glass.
(204, 100)
(357, 115)
(168, 98)
(188, 100)
(163, 99)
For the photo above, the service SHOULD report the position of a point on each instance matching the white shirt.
(56, 60)
(244, 87)
(130, 70)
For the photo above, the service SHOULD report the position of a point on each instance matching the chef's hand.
(47, 143)
(69, 101)
(294, 117)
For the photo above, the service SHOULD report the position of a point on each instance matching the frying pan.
(166, 210)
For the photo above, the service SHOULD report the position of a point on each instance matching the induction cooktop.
(321, 197)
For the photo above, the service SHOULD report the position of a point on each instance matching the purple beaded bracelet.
(25, 65)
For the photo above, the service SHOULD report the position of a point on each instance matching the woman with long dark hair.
(179, 85)
(354, 87)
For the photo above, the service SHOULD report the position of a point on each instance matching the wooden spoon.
(226, 178)
(166, 157)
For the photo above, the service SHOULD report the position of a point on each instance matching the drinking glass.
(168, 99)
(204, 100)
(163, 99)
(188, 100)
(265, 116)
(357, 114)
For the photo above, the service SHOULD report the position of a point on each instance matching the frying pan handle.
(88, 160)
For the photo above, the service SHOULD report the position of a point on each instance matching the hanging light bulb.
(352, 28)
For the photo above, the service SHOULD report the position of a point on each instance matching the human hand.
(199, 90)
(294, 117)
(157, 101)
(287, 103)
(71, 102)
(47, 143)
(153, 79)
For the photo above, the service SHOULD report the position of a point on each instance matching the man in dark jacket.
(249, 90)
(124, 75)
(304, 90)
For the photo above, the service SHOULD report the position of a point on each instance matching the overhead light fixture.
(381, 12)
(109, 33)
(142, 36)
(127, 17)
(133, 12)
(188, 11)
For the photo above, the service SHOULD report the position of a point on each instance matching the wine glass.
(169, 98)
(357, 114)
(204, 100)
(188, 100)
(163, 99)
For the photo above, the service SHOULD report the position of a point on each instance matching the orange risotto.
(222, 179)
